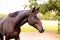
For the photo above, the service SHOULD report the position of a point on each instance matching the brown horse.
(10, 25)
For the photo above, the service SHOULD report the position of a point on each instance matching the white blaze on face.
(38, 16)
(40, 20)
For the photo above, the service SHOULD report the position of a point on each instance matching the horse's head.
(34, 20)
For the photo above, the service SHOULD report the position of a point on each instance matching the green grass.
(28, 28)
(58, 32)
(51, 28)
(2, 15)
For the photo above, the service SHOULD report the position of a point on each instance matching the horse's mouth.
(41, 31)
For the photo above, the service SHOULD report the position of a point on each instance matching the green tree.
(48, 16)
(45, 7)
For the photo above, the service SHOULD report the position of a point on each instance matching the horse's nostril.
(41, 31)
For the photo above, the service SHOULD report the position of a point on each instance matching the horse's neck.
(21, 18)
(20, 24)
(22, 14)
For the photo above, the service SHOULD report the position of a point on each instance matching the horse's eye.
(35, 17)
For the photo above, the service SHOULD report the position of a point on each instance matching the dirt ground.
(39, 36)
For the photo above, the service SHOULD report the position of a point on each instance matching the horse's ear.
(37, 9)
(33, 9)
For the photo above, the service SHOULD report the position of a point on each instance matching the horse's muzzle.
(41, 31)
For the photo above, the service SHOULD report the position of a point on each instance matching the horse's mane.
(13, 14)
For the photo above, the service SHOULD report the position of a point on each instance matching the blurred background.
(49, 14)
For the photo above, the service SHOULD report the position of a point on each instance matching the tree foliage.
(46, 7)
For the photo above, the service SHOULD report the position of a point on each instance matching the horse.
(10, 25)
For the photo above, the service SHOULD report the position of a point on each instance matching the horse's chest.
(7, 27)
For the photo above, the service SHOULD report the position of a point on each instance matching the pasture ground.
(47, 35)
(40, 36)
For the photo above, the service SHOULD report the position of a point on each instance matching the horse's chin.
(41, 31)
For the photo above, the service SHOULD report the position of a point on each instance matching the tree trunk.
(58, 25)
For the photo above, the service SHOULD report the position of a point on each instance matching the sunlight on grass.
(51, 28)
(2, 15)
(28, 28)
